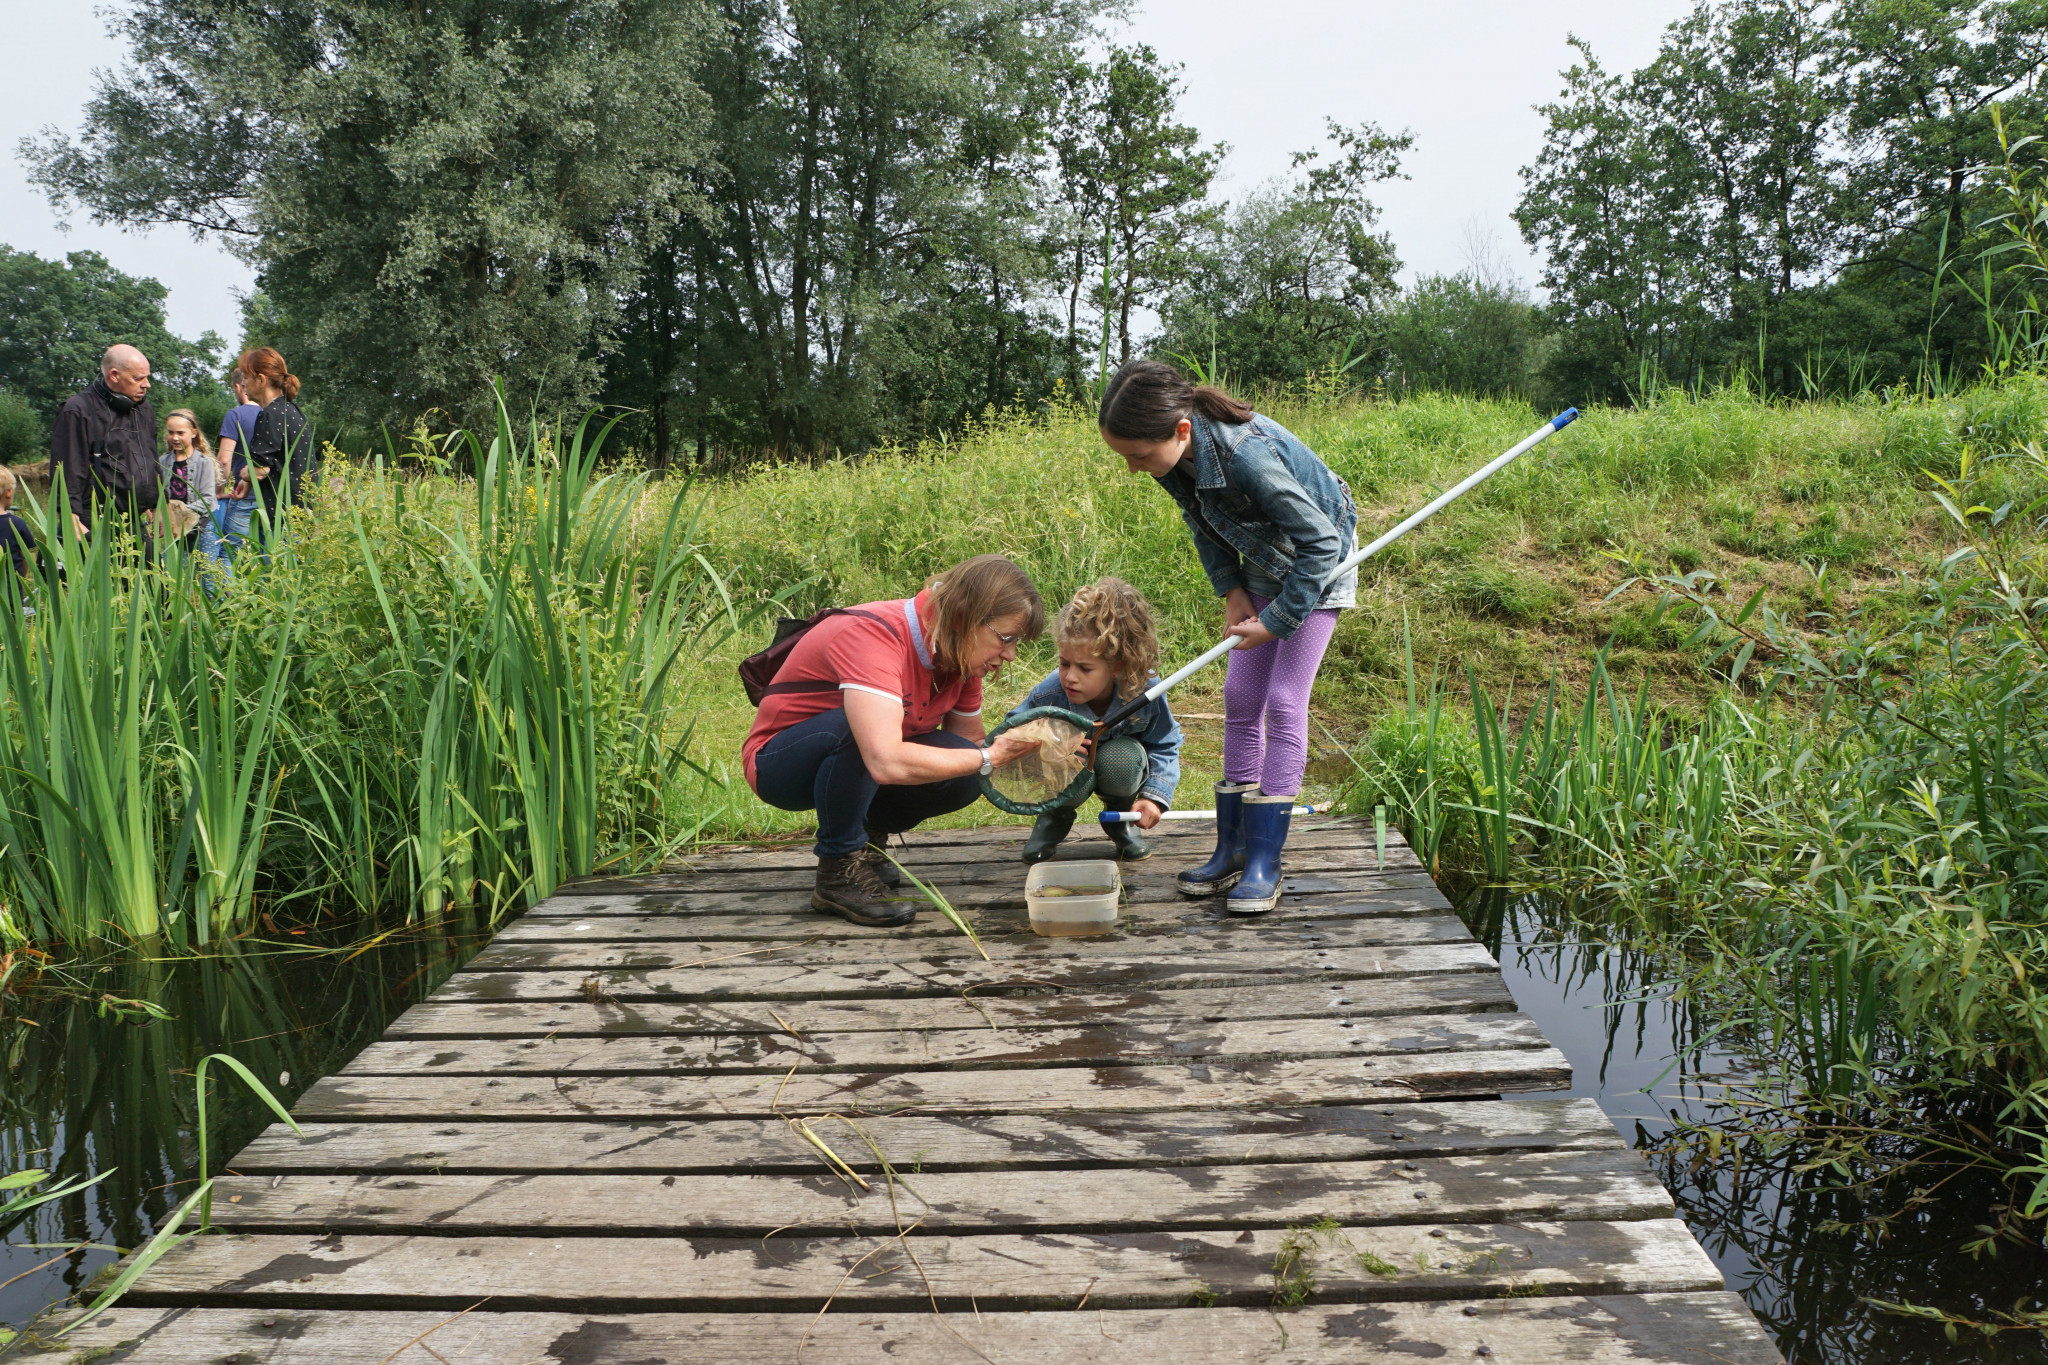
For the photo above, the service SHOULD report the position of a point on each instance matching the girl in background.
(1271, 522)
(189, 477)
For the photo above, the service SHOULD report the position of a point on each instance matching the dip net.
(1051, 776)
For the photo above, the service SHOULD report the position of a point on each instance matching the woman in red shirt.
(874, 721)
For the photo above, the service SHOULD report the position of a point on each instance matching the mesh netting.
(1052, 776)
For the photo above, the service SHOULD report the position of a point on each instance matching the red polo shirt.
(882, 650)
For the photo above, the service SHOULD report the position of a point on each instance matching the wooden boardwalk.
(673, 1119)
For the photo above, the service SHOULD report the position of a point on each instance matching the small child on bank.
(1108, 651)
(15, 536)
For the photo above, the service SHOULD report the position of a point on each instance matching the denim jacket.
(1268, 517)
(1153, 726)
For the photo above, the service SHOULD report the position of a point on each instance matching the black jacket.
(107, 455)
(280, 444)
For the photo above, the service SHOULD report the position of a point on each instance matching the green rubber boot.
(1046, 832)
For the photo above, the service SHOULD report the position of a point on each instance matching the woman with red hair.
(279, 447)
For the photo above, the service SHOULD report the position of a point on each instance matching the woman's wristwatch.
(987, 765)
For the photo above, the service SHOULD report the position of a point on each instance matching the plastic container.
(1069, 899)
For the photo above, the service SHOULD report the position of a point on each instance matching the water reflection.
(1802, 1249)
(96, 1082)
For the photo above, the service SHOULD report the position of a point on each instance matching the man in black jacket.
(105, 441)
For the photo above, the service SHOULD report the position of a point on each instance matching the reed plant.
(438, 691)
(1845, 845)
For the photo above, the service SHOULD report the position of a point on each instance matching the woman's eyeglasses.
(1007, 641)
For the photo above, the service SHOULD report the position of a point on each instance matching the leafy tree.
(1153, 176)
(1293, 277)
(1465, 333)
(1621, 261)
(58, 317)
(1922, 77)
(433, 195)
(868, 265)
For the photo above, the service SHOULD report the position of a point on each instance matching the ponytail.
(1147, 400)
(265, 360)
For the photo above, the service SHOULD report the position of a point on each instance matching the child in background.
(1107, 653)
(1271, 523)
(18, 540)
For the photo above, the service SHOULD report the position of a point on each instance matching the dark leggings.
(816, 765)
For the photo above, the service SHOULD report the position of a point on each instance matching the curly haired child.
(1108, 651)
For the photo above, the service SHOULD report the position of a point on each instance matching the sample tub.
(1067, 899)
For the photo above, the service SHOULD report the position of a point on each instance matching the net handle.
(1437, 504)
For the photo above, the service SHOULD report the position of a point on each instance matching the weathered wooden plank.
(829, 945)
(1451, 993)
(739, 979)
(1108, 1044)
(1184, 841)
(1702, 1328)
(988, 1273)
(1127, 1089)
(1497, 1187)
(939, 1142)
(1000, 887)
(620, 916)
(967, 867)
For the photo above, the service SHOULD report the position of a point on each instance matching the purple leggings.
(1265, 705)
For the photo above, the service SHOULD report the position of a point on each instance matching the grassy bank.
(440, 692)
(1821, 503)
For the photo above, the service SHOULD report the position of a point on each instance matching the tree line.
(814, 225)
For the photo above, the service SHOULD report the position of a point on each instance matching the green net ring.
(1075, 792)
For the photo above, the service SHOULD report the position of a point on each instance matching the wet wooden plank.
(619, 916)
(1623, 1329)
(988, 1273)
(939, 1142)
(1496, 1187)
(670, 944)
(1451, 993)
(965, 867)
(1117, 1044)
(1110, 1089)
(737, 979)
(982, 887)
(1186, 841)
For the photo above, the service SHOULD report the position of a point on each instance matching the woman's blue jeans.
(816, 765)
(231, 518)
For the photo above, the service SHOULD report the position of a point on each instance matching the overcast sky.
(1260, 77)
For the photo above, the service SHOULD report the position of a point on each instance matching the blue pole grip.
(1564, 419)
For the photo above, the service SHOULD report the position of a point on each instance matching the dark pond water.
(1803, 1253)
(91, 1083)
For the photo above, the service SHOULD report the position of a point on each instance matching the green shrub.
(22, 437)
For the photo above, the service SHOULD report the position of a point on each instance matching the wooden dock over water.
(683, 1118)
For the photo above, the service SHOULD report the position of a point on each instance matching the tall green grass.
(439, 692)
(1850, 853)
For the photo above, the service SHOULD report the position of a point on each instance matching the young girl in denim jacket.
(1108, 650)
(1270, 522)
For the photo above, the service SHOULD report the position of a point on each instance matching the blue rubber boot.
(1220, 873)
(1265, 834)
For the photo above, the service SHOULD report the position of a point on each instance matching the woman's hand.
(1253, 632)
(1237, 608)
(1148, 812)
(1008, 749)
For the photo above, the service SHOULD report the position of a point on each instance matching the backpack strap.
(777, 689)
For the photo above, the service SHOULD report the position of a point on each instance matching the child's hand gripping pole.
(1429, 509)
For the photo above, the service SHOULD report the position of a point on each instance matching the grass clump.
(440, 692)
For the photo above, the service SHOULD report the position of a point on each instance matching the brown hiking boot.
(850, 888)
(877, 855)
